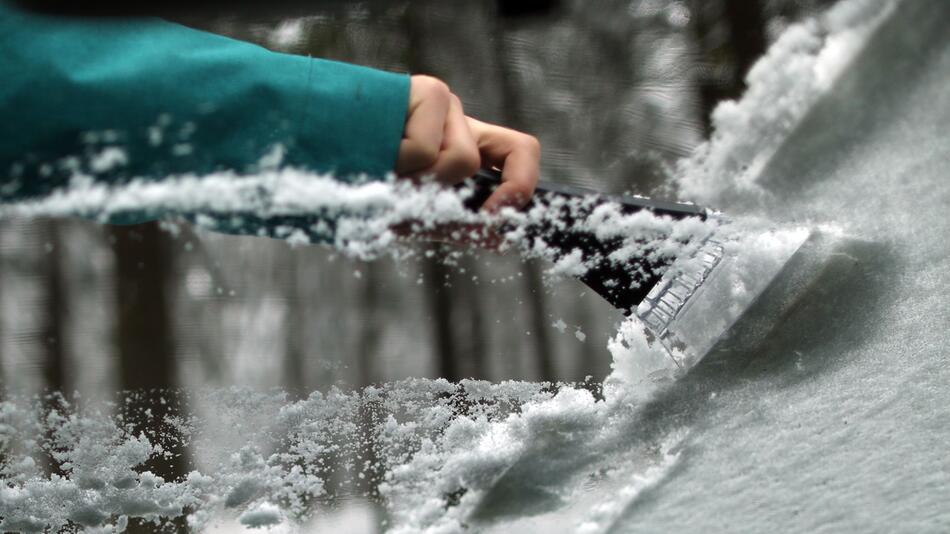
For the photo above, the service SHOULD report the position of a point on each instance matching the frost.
(605, 514)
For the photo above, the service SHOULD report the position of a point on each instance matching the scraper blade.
(687, 304)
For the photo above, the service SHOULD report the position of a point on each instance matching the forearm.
(179, 100)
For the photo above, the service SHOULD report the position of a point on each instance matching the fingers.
(518, 155)
(458, 159)
(440, 141)
(429, 101)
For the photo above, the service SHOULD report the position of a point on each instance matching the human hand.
(440, 141)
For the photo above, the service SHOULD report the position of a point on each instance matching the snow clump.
(797, 70)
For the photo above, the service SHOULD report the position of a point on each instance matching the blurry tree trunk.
(206, 311)
(143, 329)
(540, 330)
(145, 345)
(54, 321)
(368, 344)
(726, 56)
(294, 364)
(470, 306)
(369, 467)
(439, 297)
(454, 303)
(52, 334)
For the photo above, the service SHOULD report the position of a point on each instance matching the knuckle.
(524, 190)
(431, 85)
(532, 144)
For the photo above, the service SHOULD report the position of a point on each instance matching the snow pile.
(638, 365)
(267, 459)
(100, 476)
(447, 478)
(433, 450)
(796, 71)
(98, 485)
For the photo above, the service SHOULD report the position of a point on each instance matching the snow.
(608, 512)
(108, 159)
(835, 423)
(362, 219)
(264, 515)
(570, 264)
(288, 34)
(783, 86)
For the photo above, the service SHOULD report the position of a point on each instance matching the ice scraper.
(686, 304)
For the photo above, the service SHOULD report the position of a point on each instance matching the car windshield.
(337, 375)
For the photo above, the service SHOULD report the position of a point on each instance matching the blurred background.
(616, 90)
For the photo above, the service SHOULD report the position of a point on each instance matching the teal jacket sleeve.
(178, 100)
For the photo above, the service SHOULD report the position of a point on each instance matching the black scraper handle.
(624, 286)
(484, 183)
